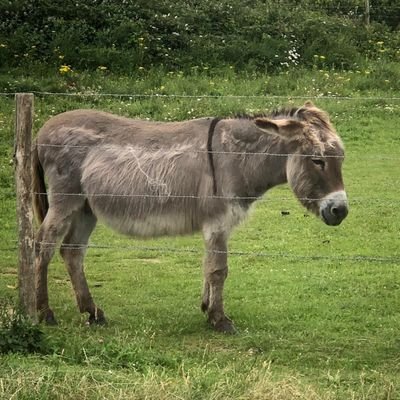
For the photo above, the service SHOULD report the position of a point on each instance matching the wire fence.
(7, 194)
(233, 153)
(12, 246)
(379, 200)
(202, 96)
(197, 251)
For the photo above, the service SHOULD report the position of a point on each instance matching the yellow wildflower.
(64, 69)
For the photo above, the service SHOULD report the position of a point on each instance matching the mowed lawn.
(317, 307)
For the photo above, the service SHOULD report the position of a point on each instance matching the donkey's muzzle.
(334, 208)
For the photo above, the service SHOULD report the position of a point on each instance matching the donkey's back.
(81, 126)
(135, 175)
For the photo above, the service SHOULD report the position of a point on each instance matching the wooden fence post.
(23, 180)
(366, 13)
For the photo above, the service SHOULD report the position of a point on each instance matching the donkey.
(151, 179)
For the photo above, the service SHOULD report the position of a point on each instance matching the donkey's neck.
(259, 166)
(266, 168)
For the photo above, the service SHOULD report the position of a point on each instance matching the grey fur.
(152, 179)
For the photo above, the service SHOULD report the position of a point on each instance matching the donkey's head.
(314, 163)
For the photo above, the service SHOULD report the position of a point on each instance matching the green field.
(317, 307)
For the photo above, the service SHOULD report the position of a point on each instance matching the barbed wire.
(217, 152)
(202, 96)
(196, 251)
(196, 197)
(239, 153)
(263, 198)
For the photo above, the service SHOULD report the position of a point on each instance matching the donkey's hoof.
(51, 321)
(97, 318)
(204, 306)
(224, 326)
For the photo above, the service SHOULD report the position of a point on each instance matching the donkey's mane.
(282, 112)
(303, 113)
(322, 135)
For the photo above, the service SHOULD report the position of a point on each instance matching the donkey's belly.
(152, 225)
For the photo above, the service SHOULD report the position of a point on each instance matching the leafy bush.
(17, 332)
(263, 34)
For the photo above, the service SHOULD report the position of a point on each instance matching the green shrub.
(17, 332)
(261, 35)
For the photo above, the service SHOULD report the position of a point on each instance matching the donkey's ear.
(286, 128)
(309, 104)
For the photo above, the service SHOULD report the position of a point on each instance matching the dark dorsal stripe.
(211, 131)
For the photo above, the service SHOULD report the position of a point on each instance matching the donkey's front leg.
(215, 273)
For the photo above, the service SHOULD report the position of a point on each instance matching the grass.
(316, 321)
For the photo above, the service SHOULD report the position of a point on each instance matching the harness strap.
(211, 131)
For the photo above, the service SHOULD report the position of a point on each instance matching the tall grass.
(378, 79)
(315, 321)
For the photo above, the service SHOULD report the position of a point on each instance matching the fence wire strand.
(234, 253)
(264, 198)
(214, 197)
(208, 96)
(233, 153)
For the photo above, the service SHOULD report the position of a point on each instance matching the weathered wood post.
(23, 181)
(367, 13)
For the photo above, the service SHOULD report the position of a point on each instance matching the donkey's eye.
(319, 162)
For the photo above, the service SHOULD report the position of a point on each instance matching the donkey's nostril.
(339, 211)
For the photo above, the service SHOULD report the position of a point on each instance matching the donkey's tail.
(40, 200)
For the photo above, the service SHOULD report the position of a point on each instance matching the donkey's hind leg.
(51, 230)
(205, 302)
(73, 249)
